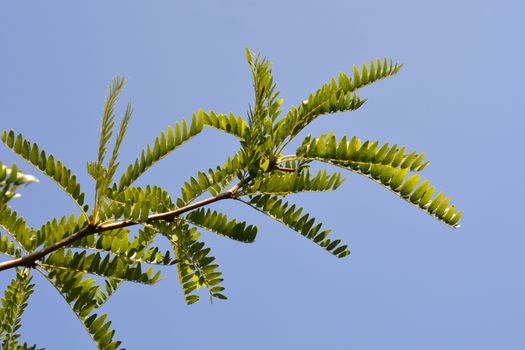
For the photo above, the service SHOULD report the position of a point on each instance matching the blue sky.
(410, 282)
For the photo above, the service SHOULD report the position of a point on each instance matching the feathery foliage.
(194, 265)
(166, 143)
(286, 183)
(46, 164)
(389, 166)
(87, 256)
(17, 228)
(293, 217)
(13, 304)
(214, 221)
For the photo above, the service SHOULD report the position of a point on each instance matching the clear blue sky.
(410, 282)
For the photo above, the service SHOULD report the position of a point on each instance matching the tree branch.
(30, 259)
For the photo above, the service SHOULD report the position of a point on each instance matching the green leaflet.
(292, 217)
(230, 124)
(219, 223)
(17, 228)
(14, 303)
(357, 154)
(164, 144)
(287, 183)
(102, 265)
(54, 169)
(8, 247)
(100, 332)
(110, 287)
(194, 264)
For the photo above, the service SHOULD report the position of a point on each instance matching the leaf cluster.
(87, 255)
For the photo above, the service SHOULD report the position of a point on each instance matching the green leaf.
(357, 154)
(117, 268)
(194, 264)
(8, 248)
(292, 217)
(287, 183)
(135, 203)
(14, 303)
(100, 331)
(164, 144)
(217, 222)
(114, 89)
(213, 181)
(332, 97)
(17, 228)
(118, 243)
(387, 165)
(56, 230)
(410, 188)
(230, 124)
(55, 170)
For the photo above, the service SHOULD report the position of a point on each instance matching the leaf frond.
(101, 265)
(277, 183)
(196, 268)
(335, 96)
(47, 165)
(108, 117)
(112, 166)
(18, 229)
(230, 124)
(292, 216)
(118, 243)
(55, 230)
(135, 203)
(14, 303)
(218, 223)
(418, 193)
(357, 154)
(164, 144)
(80, 294)
(212, 181)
